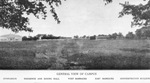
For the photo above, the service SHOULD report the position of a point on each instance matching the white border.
(134, 76)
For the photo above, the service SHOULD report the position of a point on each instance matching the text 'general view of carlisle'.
(74, 34)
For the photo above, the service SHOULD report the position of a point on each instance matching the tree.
(24, 38)
(146, 34)
(130, 35)
(138, 33)
(84, 36)
(140, 13)
(107, 1)
(114, 35)
(120, 35)
(76, 37)
(12, 13)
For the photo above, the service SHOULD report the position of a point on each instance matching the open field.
(75, 54)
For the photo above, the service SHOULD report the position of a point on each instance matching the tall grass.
(75, 54)
(22, 59)
(112, 61)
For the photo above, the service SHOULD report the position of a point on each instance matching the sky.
(82, 17)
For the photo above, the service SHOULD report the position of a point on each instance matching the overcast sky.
(82, 17)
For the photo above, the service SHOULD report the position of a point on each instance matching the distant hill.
(10, 37)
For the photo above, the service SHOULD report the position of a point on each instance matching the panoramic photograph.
(74, 34)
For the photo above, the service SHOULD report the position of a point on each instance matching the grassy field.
(75, 54)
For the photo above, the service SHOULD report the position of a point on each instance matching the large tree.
(12, 12)
(140, 13)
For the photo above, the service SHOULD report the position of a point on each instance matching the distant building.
(65, 37)
(103, 37)
(10, 37)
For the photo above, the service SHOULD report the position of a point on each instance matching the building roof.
(10, 35)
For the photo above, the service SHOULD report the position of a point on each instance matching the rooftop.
(10, 35)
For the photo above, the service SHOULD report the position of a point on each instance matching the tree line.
(41, 37)
(139, 34)
(143, 33)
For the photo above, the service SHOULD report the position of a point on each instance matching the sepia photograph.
(74, 35)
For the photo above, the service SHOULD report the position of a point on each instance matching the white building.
(10, 37)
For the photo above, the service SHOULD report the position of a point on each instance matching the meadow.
(75, 54)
